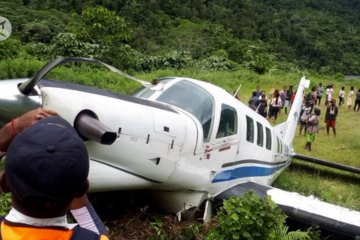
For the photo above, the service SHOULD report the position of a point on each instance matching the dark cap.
(48, 161)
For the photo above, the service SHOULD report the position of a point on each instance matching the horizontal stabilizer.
(308, 210)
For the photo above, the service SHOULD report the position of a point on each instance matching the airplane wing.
(326, 163)
(308, 210)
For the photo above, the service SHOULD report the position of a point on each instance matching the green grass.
(330, 185)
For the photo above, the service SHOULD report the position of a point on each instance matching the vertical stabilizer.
(288, 128)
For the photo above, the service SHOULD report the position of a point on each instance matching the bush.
(218, 63)
(19, 68)
(251, 217)
(175, 59)
(10, 48)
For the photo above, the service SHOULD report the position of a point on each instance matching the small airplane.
(186, 140)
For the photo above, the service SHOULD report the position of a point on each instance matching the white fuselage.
(161, 146)
(182, 136)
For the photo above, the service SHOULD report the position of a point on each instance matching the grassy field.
(330, 185)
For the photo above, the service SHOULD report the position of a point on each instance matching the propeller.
(27, 87)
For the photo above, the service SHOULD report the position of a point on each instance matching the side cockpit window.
(228, 122)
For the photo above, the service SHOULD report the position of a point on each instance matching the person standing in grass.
(304, 116)
(329, 94)
(350, 98)
(261, 109)
(283, 96)
(357, 100)
(288, 97)
(253, 101)
(342, 96)
(275, 105)
(330, 116)
(312, 128)
(319, 94)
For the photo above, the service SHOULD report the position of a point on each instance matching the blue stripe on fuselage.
(242, 172)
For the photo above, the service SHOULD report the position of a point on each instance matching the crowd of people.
(269, 106)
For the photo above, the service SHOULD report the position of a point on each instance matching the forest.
(260, 35)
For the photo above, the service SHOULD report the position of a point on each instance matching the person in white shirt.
(342, 96)
(349, 100)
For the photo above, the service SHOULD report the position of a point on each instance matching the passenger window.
(268, 139)
(260, 134)
(249, 129)
(228, 122)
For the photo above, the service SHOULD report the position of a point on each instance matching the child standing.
(330, 116)
(313, 127)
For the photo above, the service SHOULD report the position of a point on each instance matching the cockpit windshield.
(193, 99)
(187, 96)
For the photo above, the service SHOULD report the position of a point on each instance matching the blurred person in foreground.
(46, 170)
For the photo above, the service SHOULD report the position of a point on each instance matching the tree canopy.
(142, 35)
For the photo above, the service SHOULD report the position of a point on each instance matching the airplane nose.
(13, 103)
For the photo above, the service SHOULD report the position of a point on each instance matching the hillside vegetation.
(260, 35)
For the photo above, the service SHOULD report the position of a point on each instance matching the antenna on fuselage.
(237, 90)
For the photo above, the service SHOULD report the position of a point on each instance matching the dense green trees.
(257, 34)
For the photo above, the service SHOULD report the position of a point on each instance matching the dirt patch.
(129, 215)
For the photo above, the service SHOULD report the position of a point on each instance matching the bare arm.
(17, 125)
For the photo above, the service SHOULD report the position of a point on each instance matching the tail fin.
(288, 128)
